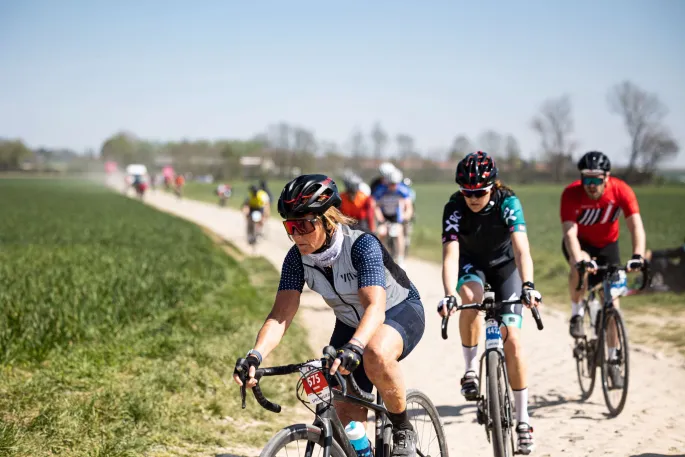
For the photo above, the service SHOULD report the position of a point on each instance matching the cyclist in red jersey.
(590, 208)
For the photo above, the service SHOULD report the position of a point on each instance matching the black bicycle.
(327, 432)
(495, 409)
(592, 349)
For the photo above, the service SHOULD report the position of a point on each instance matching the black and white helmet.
(308, 194)
(594, 161)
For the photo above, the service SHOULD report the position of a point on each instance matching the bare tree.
(656, 144)
(380, 139)
(405, 145)
(490, 142)
(554, 124)
(642, 112)
(357, 144)
(512, 152)
(460, 147)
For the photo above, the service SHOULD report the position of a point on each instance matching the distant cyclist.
(393, 205)
(358, 206)
(385, 169)
(263, 186)
(484, 240)
(590, 208)
(224, 192)
(409, 224)
(179, 182)
(379, 315)
(257, 200)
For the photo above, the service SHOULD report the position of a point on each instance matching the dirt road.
(652, 423)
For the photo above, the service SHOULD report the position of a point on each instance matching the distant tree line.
(285, 149)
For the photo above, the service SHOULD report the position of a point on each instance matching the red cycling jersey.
(598, 219)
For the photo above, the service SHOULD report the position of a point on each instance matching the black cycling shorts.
(505, 282)
(407, 318)
(608, 255)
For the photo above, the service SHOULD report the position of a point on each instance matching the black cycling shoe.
(576, 327)
(403, 443)
(469, 386)
(615, 374)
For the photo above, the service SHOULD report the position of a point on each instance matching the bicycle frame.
(330, 424)
(493, 343)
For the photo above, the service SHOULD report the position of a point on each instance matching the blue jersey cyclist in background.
(484, 240)
(393, 205)
(379, 315)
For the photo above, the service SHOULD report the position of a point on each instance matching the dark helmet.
(253, 189)
(351, 185)
(595, 161)
(476, 170)
(308, 194)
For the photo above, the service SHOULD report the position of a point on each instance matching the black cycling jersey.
(484, 237)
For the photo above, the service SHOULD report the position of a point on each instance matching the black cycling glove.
(242, 367)
(350, 356)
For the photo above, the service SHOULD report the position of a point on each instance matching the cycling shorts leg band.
(469, 278)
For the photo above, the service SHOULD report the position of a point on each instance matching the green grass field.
(659, 206)
(120, 327)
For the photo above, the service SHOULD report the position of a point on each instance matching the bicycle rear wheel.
(496, 384)
(584, 353)
(615, 395)
(297, 440)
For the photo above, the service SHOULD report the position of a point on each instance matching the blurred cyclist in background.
(409, 224)
(224, 192)
(393, 205)
(357, 205)
(180, 182)
(384, 171)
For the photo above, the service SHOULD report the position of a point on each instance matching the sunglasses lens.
(590, 180)
(474, 193)
(299, 226)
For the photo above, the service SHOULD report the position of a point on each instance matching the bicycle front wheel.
(301, 440)
(615, 367)
(584, 353)
(496, 384)
(424, 417)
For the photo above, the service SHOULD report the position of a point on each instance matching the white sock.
(521, 403)
(612, 354)
(577, 309)
(470, 357)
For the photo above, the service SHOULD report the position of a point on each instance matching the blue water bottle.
(357, 435)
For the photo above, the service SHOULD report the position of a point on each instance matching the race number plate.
(315, 384)
(394, 230)
(493, 337)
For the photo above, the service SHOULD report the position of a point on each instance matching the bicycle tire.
(299, 432)
(416, 396)
(495, 402)
(589, 359)
(623, 345)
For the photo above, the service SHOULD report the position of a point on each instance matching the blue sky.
(74, 72)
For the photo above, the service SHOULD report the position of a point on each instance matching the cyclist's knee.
(512, 342)
(471, 292)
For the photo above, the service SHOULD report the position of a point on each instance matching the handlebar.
(329, 356)
(584, 265)
(487, 305)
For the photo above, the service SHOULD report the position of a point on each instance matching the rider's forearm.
(572, 244)
(637, 234)
(522, 257)
(450, 271)
(269, 336)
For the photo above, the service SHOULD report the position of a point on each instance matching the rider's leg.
(517, 369)
(470, 288)
(398, 336)
(382, 232)
(400, 247)
(577, 309)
